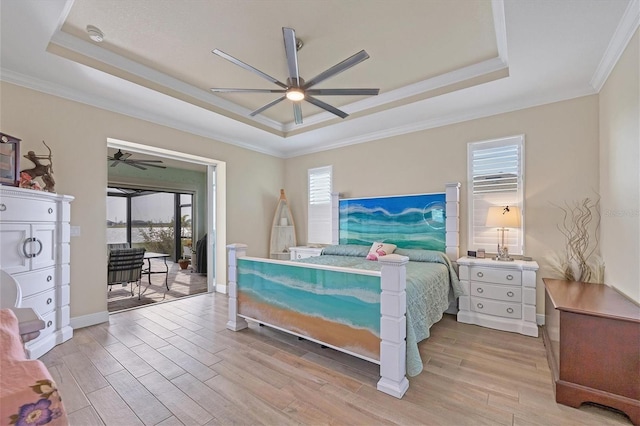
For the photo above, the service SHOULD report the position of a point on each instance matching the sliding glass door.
(157, 220)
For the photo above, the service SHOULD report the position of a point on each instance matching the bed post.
(393, 326)
(235, 251)
(452, 236)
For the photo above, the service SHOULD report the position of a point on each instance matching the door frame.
(215, 209)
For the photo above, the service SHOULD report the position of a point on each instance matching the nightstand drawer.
(492, 307)
(497, 292)
(497, 276)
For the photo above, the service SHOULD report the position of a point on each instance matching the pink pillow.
(380, 249)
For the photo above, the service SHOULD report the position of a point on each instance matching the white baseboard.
(540, 319)
(221, 288)
(89, 320)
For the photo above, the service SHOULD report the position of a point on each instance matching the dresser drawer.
(49, 324)
(36, 282)
(493, 307)
(25, 210)
(42, 303)
(497, 292)
(498, 276)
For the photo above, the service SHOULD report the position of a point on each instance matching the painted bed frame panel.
(452, 220)
(393, 298)
(393, 307)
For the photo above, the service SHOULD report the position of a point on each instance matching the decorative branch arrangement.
(580, 261)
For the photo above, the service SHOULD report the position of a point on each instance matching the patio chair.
(125, 267)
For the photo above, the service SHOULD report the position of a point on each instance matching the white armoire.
(35, 250)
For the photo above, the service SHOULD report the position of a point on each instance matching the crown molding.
(96, 53)
(618, 43)
(479, 112)
(78, 96)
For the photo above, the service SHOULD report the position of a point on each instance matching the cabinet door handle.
(299, 256)
(39, 249)
(510, 310)
(49, 300)
(480, 274)
(3, 207)
(24, 248)
(509, 277)
(510, 293)
(49, 323)
(49, 210)
(479, 290)
(49, 278)
(480, 305)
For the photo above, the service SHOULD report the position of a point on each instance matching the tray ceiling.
(436, 62)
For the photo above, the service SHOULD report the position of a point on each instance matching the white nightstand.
(304, 252)
(500, 295)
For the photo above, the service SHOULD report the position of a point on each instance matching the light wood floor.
(176, 363)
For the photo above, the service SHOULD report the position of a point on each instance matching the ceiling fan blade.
(297, 112)
(326, 107)
(248, 67)
(338, 68)
(145, 163)
(135, 165)
(338, 92)
(124, 156)
(289, 36)
(115, 163)
(222, 90)
(269, 105)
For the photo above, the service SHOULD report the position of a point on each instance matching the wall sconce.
(502, 218)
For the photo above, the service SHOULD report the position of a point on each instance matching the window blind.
(496, 178)
(319, 208)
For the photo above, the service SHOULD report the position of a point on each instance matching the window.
(495, 178)
(319, 219)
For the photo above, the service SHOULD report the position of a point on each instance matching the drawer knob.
(480, 274)
(3, 207)
(49, 323)
(510, 293)
(479, 290)
(49, 300)
(49, 210)
(480, 305)
(49, 278)
(299, 256)
(509, 277)
(510, 310)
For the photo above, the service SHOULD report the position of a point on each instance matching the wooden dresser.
(592, 338)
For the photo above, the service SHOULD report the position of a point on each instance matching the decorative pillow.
(380, 249)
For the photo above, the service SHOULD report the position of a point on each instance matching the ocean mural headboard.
(416, 221)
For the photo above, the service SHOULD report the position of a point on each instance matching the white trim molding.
(618, 43)
(89, 320)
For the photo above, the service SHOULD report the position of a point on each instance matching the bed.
(377, 310)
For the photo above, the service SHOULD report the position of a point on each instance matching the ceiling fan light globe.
(295, 95)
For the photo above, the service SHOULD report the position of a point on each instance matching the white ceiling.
(436, 62)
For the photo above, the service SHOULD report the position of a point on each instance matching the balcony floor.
(182, 282)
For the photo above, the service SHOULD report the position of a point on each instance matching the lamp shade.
(503, 217)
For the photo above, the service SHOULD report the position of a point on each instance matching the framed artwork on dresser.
(9, 160)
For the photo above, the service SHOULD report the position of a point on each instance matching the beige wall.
(561, 164)
(620, 172)
(77, 134)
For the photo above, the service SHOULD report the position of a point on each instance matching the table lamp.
(503, 217)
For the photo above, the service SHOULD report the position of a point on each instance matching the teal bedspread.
(431, 284)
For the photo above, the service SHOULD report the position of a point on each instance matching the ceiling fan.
(123, 157)
(297, 89)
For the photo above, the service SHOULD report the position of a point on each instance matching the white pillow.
(380, 249)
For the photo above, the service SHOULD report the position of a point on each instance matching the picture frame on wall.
(9, 160)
